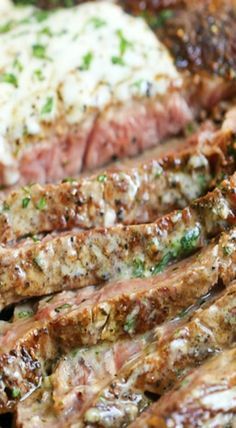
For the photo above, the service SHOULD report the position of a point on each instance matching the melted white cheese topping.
(71, 62)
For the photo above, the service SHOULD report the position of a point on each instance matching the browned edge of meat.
(78, 259)
(86, 318)
(204, 398)
(134, 195)
(211, 330)
(111, 403)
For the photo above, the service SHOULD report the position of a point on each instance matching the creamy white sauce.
(71, 63)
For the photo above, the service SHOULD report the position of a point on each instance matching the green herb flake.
(25, 202)
(17, 65)
(69, 180)
(5, 28)
(129, 324)
(47, 107)
(39, 74)
(190, 128)
(24, 314)
(15, 392)
(35, 238)
(117, 60)
(102, 178)
(227, 251)
(41, 204)
(39, 51)
(97, 22)
(86, 61)
(124, 43)
(9, 78)
(40, 15)
(189, 240)
(138, 268)
(62, 307)
(160, 19)
(163, 263)
(46, 32)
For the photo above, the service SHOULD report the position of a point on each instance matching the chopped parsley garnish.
(124, 43)
(15, 392)
(86, 61)
(160, 19)
(9, 78)
(117, 60)
(129, 324)
(163, 263)
(46, 32)
(188, 241)
(102, 178)
(25, 202)
(69, 180)
(97, 22)
(24, 314)
(202, 181)
(17, 64)
(227, 251)
(138, 268)
(39, 51)
(41, 203)
(48, 106)
(62, 307)
(40, 15)
(6, 27)
(39, 74)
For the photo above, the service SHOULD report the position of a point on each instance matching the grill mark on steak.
(86, 318)
(207, 397)
(126, 196)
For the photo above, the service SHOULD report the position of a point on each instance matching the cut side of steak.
(210, 331)
(128, 195)
(207, 397)
(117, 92)
(77, 259)
(80, 392)
(78, 378)
(85, 318)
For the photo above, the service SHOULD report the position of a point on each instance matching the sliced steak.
(210, 331)
(76, 391)
(207, 397)
(78, 259)
(91, 89)
(72, 319)
(128, 195)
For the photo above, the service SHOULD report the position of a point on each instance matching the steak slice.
(91, 89)
(128, 195)
(211, 330)
(85, 318)
(78, 259)
(207, 397)
(75, 393)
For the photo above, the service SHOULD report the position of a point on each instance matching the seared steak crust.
(210, 331)
(126, 195)
(76, 259)
(204, 398)
(72, 319)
